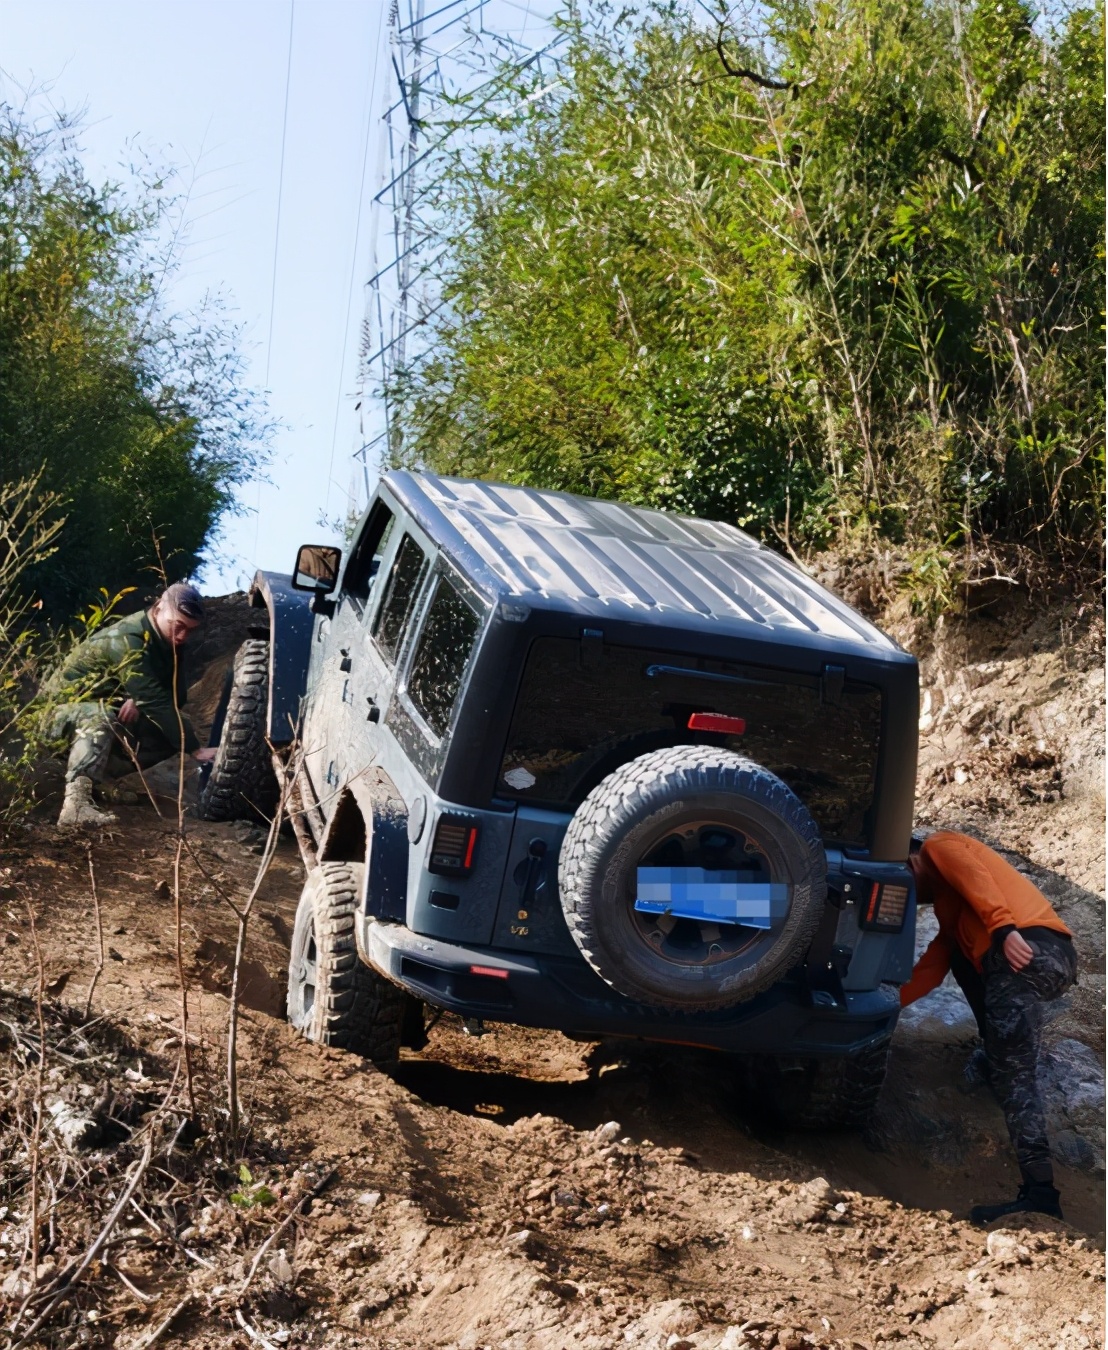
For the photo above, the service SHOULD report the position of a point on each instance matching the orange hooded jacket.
(979, 899)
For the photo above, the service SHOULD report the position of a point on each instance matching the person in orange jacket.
(1011, 953)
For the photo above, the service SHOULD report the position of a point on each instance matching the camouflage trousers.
(1008, 1005)
(101, 747)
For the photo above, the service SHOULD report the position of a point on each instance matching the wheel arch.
(370, 825)
(290, 628)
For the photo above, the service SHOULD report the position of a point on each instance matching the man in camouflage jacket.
(125, 690)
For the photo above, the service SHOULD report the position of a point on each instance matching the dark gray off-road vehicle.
(572, 764)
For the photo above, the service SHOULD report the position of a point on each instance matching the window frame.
(413, 619)
(361, 602)
(429, 750)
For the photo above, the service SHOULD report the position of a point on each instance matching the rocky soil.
(521, 1191)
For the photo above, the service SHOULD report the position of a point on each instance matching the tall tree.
(136, 418)
(835, 276)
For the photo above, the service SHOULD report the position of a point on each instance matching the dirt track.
(525, 1191)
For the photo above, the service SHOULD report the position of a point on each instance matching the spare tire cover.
(731, 870)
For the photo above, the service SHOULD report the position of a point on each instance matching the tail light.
(707, 721)
(886, 907)
(454, 845)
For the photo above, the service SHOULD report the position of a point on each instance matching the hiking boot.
(1035, 1197)
(79, 811)
(977, 1073)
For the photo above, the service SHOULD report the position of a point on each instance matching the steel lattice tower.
(443, 56)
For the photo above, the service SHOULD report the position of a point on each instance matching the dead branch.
(36, 1131)
(286, 779)
(170, 1237)
(143, 1298)
(96, 1246)
(764, 81)
(99, 935)
(253, 1332)
(296, 1209)
(166, 1322)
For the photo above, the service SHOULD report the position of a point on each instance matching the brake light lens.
(454, 845)
(886, 907)
(727, 726)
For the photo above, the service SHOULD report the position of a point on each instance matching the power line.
(354, 258)
(276, 249)
(280, 196)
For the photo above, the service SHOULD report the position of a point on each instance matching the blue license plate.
(715, 897)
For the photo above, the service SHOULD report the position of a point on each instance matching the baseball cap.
(184, 600)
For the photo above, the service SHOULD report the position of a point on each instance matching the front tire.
(242, 784)
(334, 998)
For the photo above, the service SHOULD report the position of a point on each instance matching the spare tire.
(241, 784)
(691, 807)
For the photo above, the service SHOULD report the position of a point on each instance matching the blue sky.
(202, 85)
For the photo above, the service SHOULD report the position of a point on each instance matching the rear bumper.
(565, 995)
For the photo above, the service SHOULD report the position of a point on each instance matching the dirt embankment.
(523, 1191)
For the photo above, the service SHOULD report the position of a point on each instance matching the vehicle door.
(339, 727)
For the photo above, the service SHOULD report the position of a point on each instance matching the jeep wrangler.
(579, 765)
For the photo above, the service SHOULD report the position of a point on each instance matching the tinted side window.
(365, 560)
(442, 655)
(404, 582)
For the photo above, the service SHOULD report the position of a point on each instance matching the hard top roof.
(555, 550)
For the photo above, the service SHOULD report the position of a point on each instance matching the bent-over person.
(130, 690)
(1009, 951)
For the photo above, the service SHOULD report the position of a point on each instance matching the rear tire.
(334, 998)
(242, 784)
(836, 1093)
(664, 809)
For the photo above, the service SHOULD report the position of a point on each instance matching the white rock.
(748, 1233)
(76, 1130)
(733, 1339)
(1005, 1249)
(280, 1268)
(608, 1133)
(371, 1199)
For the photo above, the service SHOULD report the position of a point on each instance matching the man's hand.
(1017, 952)
(206, 755)
(129, 713)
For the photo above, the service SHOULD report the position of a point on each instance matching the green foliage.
(250, 1192)
(134, 418)
(30, 527)
(835, 277)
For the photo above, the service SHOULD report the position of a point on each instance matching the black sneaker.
(1033, 1198)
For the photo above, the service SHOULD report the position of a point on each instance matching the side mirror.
(317, 568)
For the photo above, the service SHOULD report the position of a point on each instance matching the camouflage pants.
(1009, 1003)
(100, 747)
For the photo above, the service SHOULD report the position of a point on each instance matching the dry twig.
(99, 935)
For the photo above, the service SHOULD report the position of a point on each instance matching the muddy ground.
(521, 1190)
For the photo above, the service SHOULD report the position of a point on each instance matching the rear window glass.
(577, 720)
(404, 582)
(442, 653)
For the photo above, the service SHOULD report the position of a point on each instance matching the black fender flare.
(370, 824)
(291, 624)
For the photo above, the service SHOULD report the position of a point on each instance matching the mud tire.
(334, 998)
(606, 838)
(242, 784)
(837, 1093)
